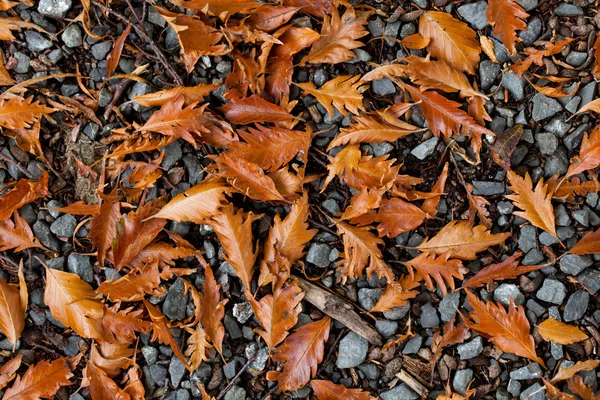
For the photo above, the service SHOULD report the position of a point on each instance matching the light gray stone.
(235, 393)
(176, 301)
(527, 238)
(487, 188)
(72, 36)
(54, 8)
(173, 153)
(401, 392)
(429, 317)
(576, 306)
(81, 266)
(36, 42)
(576, 58)
(514, 85)
(449, 305)
(100, 50)
(587, 93)
(383, 87)
(177, 371)
(367, 298)
(470, 349)
(23, 61)
(530, 371)
(150, 354)
(568, 10)
(533, 32)
(386, 328)
(413, 345)
(318, 254)
(352, 351)
(461, 381)
(488, 71)
(573, 264)
(507, 291)
(425, 149)
(158, 373)
(544, 107)
(242, 312)
(590, 278)
(533, 392)
(475, 14)
(376, 27)
(546, 142)
(64, 225)
(552, 291)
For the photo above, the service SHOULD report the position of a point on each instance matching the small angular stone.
(568, 10)
(461, 381)
(54, 8)
(449, 305)
(552, 291)
(530, 371)
(507, 291)
(544, 107)
(352, 351)
(318, 254)
(576, 306)
(64, 225)
(429, 316)
(573, 264)
(425, 149)
(470, 349)
(475, 14)
(81, 266)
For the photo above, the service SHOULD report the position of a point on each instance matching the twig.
(139, 21)
(16, 164)
(412, 383)
(226, 389)
(119, 90)
(161, 57)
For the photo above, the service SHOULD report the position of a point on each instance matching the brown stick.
(161, 57)
(412, 383)
(16, 164)
(339, 310)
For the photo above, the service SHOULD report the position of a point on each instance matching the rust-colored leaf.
(361, 250)
(277, 312)
(17, 235)
(535, 203)
(301, 353)
(452, 334)
(338, 38)
(556, 92)
(462, 239)
(111, 357)
(596, 67)
(8, 371)
(71, 302)
(440, 269)
(555, 331)
(161, 330)
(40, 381)
(362, 202)
(190, 94)
(220, 8)
(589, 154)
(254, 109)
(343, 92)
(24, 192)
(327, 390)
(394, 217)
(535, 56)
(508, 331)
(566, 373)
(234, 229)
(19, 113)
(104, 224)
(112, 60)
(120, 326)
(507, 17)
(415, 41)
(102, 387)
(451, 40)
(270, 17)
(589, 244)
(398, 293)
(28, 139)
(12, 318)
(505, 145)
(430, 205)
(507, 269)
(213, 310)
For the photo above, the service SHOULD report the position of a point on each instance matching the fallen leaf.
(19, 113)
(589, 244)
(507, 17)
(398, 293)
(439, 268)
(451, 40)
(161, 330)
(111, 357)
(220, 8)
(24, 192)
(462, 240)
(505, 145)
(342, 92)
(254, 109)
(113, 58)
(535, 203)
(104, 224)
(507, 269)
(270, 17)
(508, 331)
(327, 390)
(190, 95)
(301, 353)
(213, 310)
(17, 236)
(102, 387)
(394, 216)
(12, 318)
(568, 372)
(589, 154)
(41, 380)
(8, 371)
(415, 42)
(555, 331)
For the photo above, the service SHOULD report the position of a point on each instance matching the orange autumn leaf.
(270, 148)
(398, 293)
(17, 235)
(577, 385)
(451, 334)
(28, 139)
(301, 353)
(430, 205)
(509, 331)
(120, 326)
(555, 331)
(112, 60)
(102, 387)
(78, 208)
(462, 240)
(362, 202)
(556, 92)
(507, 17)
(287, 237)
(361, 251)
(415, 42)
(589, 244)
(19, 113)
(161, 330)
(507, 269)
(451, 40)
(270, 17)
(111, 357)
(12, 317)
(234, 229)
(190, 94)
(536, 204)
(254, 109)
(104, 224)
(596, 67)
(327, 390)
(394, 217)
(277, 312)
(213, 310)
(566, 373)
(197, 345)
(8, 371)
(440, 269)
(535, 56)
(71, 302)
(41, 380)
(589, 154)
(343, 92)
(220, 8)
(338, 38)
(24, 192)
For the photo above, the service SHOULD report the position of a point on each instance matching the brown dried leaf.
(342, 92)
(507, 17)
(213, 310)
(12, 317)
(398, 293)
(566, 373)
(112, 60)
(8, 371)
(507, 269)
(161, 331)
(254, 109)
(439, 268)
(327, 390)
(555, 331)
(42, 380)
(24, 192)
(589, 154)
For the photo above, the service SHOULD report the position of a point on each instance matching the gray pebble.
(391, 30)
(100, 50)
(507, 291)
(150, 354)
(528, 5)
(533, 32)
(397, 313)
(81, 266)
(367, 298)
(242, 312)
(320, 77)
(587, 93)
(413, 345)
(54, 8)
(429, 317)
(177, 371)
(546, 142)
(475, 14)
(36, 42)
(23, 60)
(488, 71)
(573, 139)
(400, 392)
(386, 328)
(573, 264)
(318, 254)
(425, 149)
(576, 306)
(544, 107)
(173, 153)
(527, 238)
(381, 149)
(582, 216)
(505, 207)
(552, 291)
(235, 393)
(158, 373)
(547, 239)
(576, 58)
(568, 10)
(180, 394)
(561, 216)
(590, 279)
(486, 188)
(449, 305)
(514, 85)
(229, 369)
(558, 125)
(533, 392)
(530, 371)
(176, 301)
(533, 257)
(470, 349)
(72, 36)
(383, 87)
(376, 27)
(461, 381)
(224, 67)
(352, 351)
